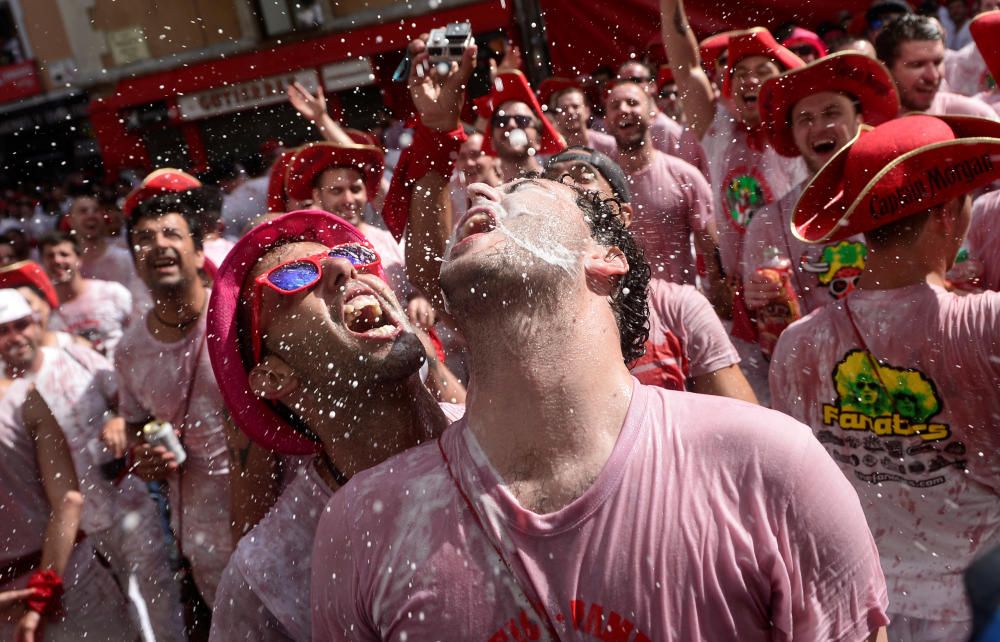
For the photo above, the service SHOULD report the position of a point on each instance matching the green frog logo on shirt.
(839, 267)
(744, 192)
(884, 400)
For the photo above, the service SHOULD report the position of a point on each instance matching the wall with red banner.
(586, 35)
(19, 80)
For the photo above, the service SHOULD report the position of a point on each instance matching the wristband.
(431, 151)
(48, 587)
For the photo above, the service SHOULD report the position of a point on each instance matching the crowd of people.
(705, 350)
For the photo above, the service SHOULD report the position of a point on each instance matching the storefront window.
(284, 16)
(11, 49)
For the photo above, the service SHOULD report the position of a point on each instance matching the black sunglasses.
(502, 121)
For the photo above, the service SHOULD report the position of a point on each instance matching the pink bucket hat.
(253, 415)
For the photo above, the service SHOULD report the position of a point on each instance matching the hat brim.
(846, 72)
(254, 416)
(314, 158)
(985, 30)
(928, 176)
(161, 181)
(29, 273)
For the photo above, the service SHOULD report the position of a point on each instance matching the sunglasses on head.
(521, 121)
(297, 275)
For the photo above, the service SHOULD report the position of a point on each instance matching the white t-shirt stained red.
(917, 436)
(99, 314)
(983, 240)
(711, 520)
(686, 338)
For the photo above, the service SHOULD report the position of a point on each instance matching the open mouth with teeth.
(824, 146)
(364, 315)
(164, 263)
(478, 220)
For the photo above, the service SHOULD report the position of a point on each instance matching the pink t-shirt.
(100, 314)
(711, 520)
(264, 593)
(991, 99)
(217, 249)
(686, 337)
(917, 438)
(671, 200)
(154, 379)
(949, 104)
(983, 241)
(821, 273)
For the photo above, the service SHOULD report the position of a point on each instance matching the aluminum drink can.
(161, 433)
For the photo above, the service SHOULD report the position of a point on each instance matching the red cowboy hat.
(898, 169)
(253, 415)
(756, 42)
(985, 29)
(512, 86)
(850, 73)
(804, 38)
(32, 275)
(276, 196)
(553, 85)
(160, 181)
(313, 159)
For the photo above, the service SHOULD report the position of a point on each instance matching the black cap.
(600, 161)
(882, 8)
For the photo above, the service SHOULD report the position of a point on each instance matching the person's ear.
(625, 213)
(273, 379)
(603, 267)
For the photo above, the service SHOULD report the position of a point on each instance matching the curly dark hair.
(629, 301)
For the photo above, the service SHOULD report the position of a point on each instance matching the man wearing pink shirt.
(671, 200)
(289, 402)
(899, 378)
(571, 505)
(571, 116)
(812, 113)
(912, 47)
(688, 347)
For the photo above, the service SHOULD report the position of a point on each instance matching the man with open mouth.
(899, 379)
(315, 356)
(812, 113)
(571, 500)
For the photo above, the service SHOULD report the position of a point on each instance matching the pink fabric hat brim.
(254, 416)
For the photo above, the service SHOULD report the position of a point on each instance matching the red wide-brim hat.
(160, 181)
(31, 274)
(553, 85)
(313, 159)
(276, 196)
(985, 30)
(511, 86)
(253, 415)
(901, 168)
(756, 42)
(850, 73)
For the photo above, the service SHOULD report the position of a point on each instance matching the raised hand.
(312, 108)
(438, 97)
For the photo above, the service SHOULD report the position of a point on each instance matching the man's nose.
(484, 191)
(337, 273)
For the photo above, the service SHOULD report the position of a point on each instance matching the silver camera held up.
(447, 44)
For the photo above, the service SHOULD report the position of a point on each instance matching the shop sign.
(244, 95)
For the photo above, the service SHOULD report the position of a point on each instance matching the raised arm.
(693, 85)
(313, 109)
(439, 101)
